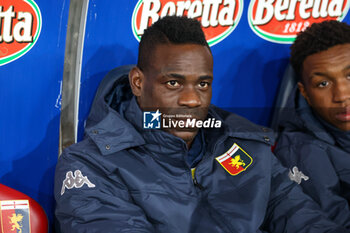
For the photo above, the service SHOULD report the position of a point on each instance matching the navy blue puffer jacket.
(319, 151)
(123, 178)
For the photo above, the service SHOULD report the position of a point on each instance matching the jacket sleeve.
(87, 200)
(290, 210)
(323, 185)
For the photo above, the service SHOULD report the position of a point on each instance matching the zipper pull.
(198, 185)
(195, 182)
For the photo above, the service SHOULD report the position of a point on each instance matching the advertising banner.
(32, 45)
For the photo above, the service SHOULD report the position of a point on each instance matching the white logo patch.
(296, 175)
(75, 181)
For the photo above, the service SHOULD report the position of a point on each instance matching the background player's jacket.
(123, 178)
(321, 152)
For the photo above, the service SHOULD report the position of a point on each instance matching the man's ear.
(303, 91)
(136, 79)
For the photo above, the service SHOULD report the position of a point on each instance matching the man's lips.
(344, 115)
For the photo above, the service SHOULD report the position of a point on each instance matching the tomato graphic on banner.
(281, 20)
(218, 17)
(20, 28)
(14, 216)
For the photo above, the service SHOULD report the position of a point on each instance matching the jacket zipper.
(193, 172)
(194, 179)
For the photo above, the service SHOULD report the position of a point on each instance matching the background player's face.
(178, 81)
(326, 85)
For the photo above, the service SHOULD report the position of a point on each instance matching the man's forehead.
(171, 48)
(182, 58)
(334, 52)
(334, 58)
(188, 76)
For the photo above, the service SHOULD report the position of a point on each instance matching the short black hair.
(169, 30)
(316, 38)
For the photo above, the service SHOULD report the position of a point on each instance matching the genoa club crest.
(14, 216)
(235, 160)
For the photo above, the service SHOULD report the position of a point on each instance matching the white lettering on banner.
(320, 8)
(295, 27)
(22, 30)
(207, 9)
(148, 13)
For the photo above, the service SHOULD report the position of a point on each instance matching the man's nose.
(189, 97)
(341, 91)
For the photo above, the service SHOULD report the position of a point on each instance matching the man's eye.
(173, 83)
(204, 84)
(322, 84)
(348, 76)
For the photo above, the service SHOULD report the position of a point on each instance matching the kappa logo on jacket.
(75, 181)
(296, 175)
(235, 160)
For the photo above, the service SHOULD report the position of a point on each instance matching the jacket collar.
(311, 122)
(238, 127)
(342, 138)
(160, 143)
(298, 115)
(113, 133)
